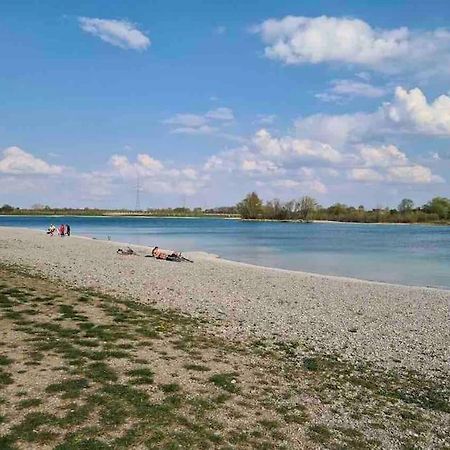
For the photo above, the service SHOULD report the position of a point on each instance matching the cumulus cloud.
(119, 33)
(363, 174)
(414, 174)
(155, 177)
(384, 156)
(337, 130)
(290, 148)
(313, 40)
(278, 162)
(388, 163)
(16, 161)
(409, 112)
(259, 166)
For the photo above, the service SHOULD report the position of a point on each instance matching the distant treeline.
(39, 210)
(437, 210)
(306, 208)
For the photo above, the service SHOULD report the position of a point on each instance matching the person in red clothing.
(61, 230)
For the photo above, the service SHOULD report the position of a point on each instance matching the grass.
(200, 391)
(71, 388)
(197, 368)
(226, 381)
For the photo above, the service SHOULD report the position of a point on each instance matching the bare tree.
(306, 206)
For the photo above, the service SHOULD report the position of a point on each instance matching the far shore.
(224, 217)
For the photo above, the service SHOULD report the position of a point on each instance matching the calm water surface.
(410, 254)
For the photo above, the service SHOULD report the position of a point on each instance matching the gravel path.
(392, 325)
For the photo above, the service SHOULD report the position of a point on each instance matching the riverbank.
(390, 325)
(108, 351)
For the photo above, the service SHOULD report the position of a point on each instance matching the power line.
(138, 193)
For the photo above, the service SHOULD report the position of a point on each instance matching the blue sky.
(205, 101)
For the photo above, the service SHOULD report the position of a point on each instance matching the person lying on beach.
(127, 251)
(170, 256)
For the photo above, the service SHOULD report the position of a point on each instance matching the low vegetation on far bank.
(437, 211)
(83, 370)
(306, 208)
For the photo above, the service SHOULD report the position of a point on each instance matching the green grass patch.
(196, 367)
(226, 381)
(29, 403)
(170, 388)
(100, 372)
(70, 388)
(27, 429)
(5, 361)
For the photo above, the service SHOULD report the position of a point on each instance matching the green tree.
(439, 206)
(251, 207)
(406, 205)
(7, 208)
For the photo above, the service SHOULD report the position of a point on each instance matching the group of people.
(62, 230)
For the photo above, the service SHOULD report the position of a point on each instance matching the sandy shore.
(391, 325)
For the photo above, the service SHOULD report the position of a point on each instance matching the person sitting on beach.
(61, 230)
(51, 230)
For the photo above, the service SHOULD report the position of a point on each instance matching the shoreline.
(213, 256)
(389, 325)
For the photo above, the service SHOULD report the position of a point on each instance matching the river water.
(406, 254)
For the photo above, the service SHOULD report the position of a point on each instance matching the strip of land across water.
(130, 352)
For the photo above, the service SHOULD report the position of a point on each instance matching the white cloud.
(391, 165)
(367, 175)
(187, 120)
(414, 174)
(337, 130)
(204, 129)
(301, 40)
(291, 148)
(384, 156)
(259, 166)
(208, 123)
(149, 163)
(155, 177)
(16, 161)
(144, 166)
(341, 89)
(411, 111)
(120, 33)
(220, 114)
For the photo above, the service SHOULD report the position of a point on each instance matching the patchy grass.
(102, 372)
(226, 381)
(197, 368)
(29, 403)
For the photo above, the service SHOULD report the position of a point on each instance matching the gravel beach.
(390, 325)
